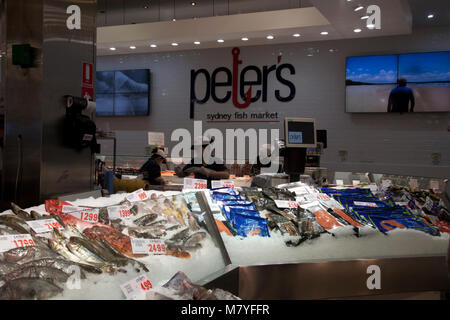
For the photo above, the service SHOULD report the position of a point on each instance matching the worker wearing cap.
(214, 171)
(152, 168)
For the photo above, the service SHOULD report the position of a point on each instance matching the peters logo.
(238, 82)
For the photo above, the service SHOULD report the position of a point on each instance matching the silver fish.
(53, 275)
(7, 267)
(193, 225)
(145, 220)
(61, 264)
(27, 254)
(194, 240)
(29, 289)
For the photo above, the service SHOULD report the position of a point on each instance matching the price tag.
(434, 185)
(365, 204)
(196, 184)
(413, 184)
(138, 195)
(222, 184)
(136, 288)
(84, 214)
(119, 212)
(356, 182)
(148, 246)
(13, 241)
(340, 182)
(283, 204)
(386, 184)
(41, 226)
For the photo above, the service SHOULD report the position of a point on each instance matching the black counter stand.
(294, 163)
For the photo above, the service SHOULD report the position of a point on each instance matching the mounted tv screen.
(396, 83)
(123, 93)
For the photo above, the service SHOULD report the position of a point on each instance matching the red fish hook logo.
(248, 95)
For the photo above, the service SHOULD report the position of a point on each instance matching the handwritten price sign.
(136, 288)
(119, 212)
(283, 204)
(138, 195)
(41, 226)
(148, 246)
(13, 241)
(196, 184)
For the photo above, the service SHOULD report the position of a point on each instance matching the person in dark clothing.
(152, 168)
(209, 172)
(400, 97)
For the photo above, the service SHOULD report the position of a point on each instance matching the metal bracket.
(212, 226)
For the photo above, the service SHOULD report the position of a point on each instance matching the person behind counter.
(214, 171)
(152, 168)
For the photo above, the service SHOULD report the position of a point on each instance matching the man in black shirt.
(152, 168)
(214, 171)
(400, 97)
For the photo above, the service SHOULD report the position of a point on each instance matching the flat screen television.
(372, 81)
(123, 93)
(300, 133)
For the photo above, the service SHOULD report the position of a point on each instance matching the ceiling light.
(174, 19)
(153, 45)
(193, 3)
(220, 41)
(112, 49)
(332, 50)
(431, 16)
(364, 17)
(146, 6)
(244, 39)
(310, 55)
(270, 37)
(296, 35)
(324, 33)
(359, 8)
(197, 42)
(174, 44)
(371, 26)
(357, 30)
(132, 47)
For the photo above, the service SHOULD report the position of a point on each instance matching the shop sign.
(237, 82)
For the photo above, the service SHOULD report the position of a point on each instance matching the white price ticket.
(47, 225)
(196, 184)
(283, 204)
(137, 288)
(85, 214)
(414, 184)
(356, 182)
(365, 204)
(119, 212)
(340, 182)
(138, 195)
(13, 241)
(434, 185)
(222, 184)
(148, 246)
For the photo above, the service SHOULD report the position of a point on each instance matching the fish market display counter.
(295, 242)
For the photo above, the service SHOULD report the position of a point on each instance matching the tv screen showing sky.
(371, 82)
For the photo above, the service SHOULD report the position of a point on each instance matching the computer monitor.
(300, 133)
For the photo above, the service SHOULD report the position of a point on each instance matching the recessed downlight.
(193, 3)
(132, 47)
(270, 37)
(196, 42)
(220, 41)
(364, 17)
(430, 16)
(153, 45)
(174, 44)
(244, 39)
(112, 49)
(357, 30)
(324, 33)
(296, 35)
(371, 26)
